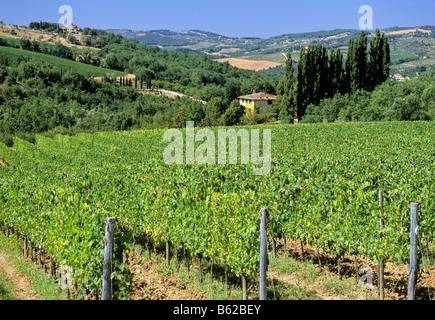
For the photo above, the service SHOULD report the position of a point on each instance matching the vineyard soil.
(22, 286)
(395, 276)
(150, 284)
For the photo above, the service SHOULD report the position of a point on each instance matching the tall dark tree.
(339, 86)
(322, 75)
(376, 60)
(350, 67)
(315, 78)
(287, 103)
(361, 61)
(302, 84)
(331, 74)
(233, 114)
(379, 60)
(323, 70)
(385, 58)
(335, 74)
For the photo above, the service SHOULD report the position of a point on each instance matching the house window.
(269, 102)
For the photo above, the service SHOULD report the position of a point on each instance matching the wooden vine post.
(381, 264)
(168, 252)
(263, 252)
(412, 279)
(244, 287)
(108, 255)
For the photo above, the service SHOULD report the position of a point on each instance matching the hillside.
(12, 54)
(412, 48)
(169, 38)
(47, 83)
(177, 71)
(46, 86)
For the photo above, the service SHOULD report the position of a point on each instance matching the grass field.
(88, 70)
(396, 56)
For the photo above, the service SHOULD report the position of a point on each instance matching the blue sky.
(235, 18)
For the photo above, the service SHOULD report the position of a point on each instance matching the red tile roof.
(258, 96)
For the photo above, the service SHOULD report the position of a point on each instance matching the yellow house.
(259, 101)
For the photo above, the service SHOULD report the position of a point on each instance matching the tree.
(361, 63)
(25, 44)
(287, 101)
(379, 60)
(336, 74)
(177, 117)
(313, 77)
(349, 67)
(194, 112)
(385, 58)
(144, 75)
(301, 93)
(232, 90)
(233, 114)
(216, 106)
(3, 73)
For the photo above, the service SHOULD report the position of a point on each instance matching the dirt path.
(168, 93)
(22, 286)
(149, 285)
(293, 280)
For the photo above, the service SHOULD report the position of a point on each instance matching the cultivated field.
(88, 70)
(255, 65)
(408, 31)
(35, 35)
(321, 191)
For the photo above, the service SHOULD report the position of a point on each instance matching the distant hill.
(412, 48)
(166, 38)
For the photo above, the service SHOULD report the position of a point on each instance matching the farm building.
(399, 78)
(75, 29)
(259, 100)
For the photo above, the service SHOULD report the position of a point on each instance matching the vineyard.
(322, 190)
(14, 54)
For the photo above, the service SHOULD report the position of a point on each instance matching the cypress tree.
(288, 110)
(324, 72)
(335, 73)
(379, 60)
(376, 61)
(361, 63)
(350, 67)
(339, 86)
(385, 58)
(332, 80)
(302, 84)
(311, 76)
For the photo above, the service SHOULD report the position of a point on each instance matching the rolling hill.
(412, 48)
(13, 54)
